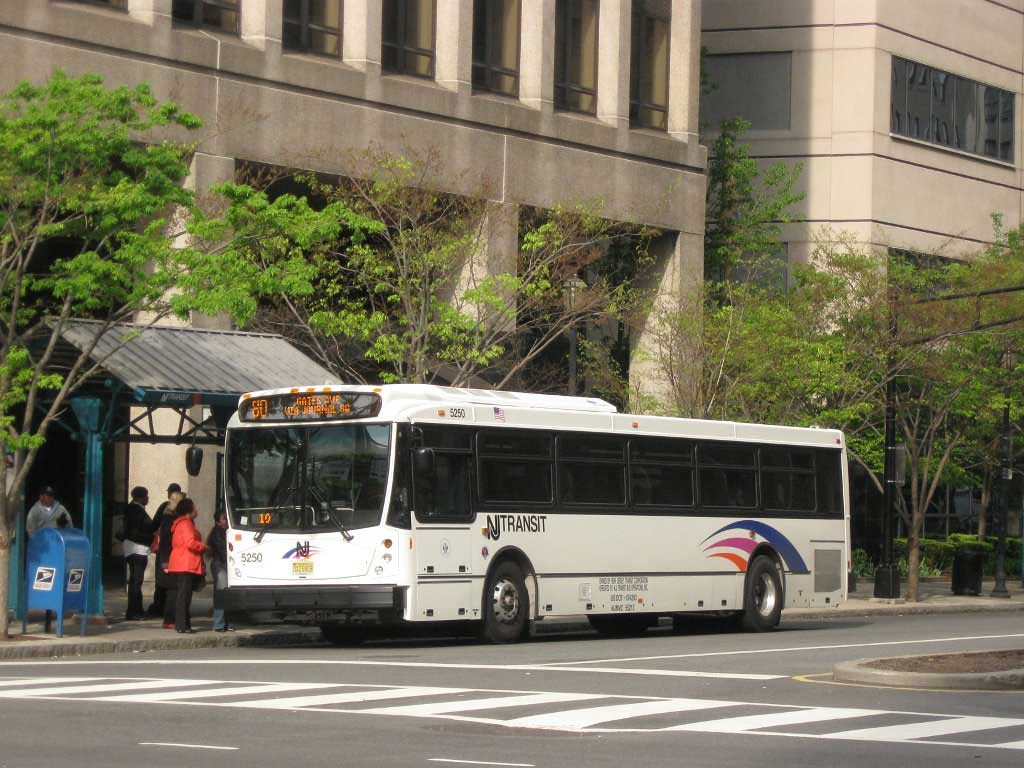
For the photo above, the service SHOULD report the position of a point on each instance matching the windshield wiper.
(314, 491)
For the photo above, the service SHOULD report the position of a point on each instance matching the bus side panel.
(444, 599)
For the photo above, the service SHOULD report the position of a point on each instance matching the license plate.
(303, 569)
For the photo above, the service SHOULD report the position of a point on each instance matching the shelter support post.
(16, 594)
(89, 412)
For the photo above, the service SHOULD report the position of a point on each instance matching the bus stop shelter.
(195, 373)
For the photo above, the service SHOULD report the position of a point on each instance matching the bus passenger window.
(447, 498)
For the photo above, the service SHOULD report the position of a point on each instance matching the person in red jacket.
(186, 561)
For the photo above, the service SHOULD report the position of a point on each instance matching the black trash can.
(967, 568)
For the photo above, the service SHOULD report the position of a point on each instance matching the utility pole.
(1005, 475)
(887, 575)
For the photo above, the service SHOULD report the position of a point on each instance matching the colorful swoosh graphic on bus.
(792, 559)
(300, 553)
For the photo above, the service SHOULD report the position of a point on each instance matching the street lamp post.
(887, 575)
(1005, 475)
(572, 286)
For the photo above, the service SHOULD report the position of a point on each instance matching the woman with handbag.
(186, 562)
(162, 547)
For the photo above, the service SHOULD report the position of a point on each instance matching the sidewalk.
(118, 636)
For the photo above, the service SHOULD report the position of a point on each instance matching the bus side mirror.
(193, 460)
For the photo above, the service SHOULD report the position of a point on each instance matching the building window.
(754, 86)
(576, 55)
(496, 46)
(951, 111)
(121, 5)
(221, 15)
(408, 37)
(648, 70)
(313, 26)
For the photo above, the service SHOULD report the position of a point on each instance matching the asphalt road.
(703, 698)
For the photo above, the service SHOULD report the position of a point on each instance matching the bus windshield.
(308, 479)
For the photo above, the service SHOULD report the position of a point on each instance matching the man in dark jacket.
(156, 608)
(138, 534)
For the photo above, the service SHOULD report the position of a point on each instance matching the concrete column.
(361, 34)
(151, 11)
(684, 70)
(613, 29)
(262, 22)
(496, 253)
(537, 54)
(155, 466)
(454, 55)
(662, 369)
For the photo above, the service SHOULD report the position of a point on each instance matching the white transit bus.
(351, 506)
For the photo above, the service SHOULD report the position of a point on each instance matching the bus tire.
(344, 635)
(629, 625)
(762, 596)
(506, 604)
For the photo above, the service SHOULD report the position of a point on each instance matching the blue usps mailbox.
(57, 573)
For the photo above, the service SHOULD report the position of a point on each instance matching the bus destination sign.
(309, 406)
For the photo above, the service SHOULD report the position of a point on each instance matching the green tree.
(400, 290)
(90, 179)
(746, 206)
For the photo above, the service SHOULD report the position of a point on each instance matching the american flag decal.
(499, 414)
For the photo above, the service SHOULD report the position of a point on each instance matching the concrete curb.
(859, 672)
(62, 649)
(69, 647)
(900, 609)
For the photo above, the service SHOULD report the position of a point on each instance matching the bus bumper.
(313, 603)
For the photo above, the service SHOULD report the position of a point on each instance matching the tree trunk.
(914, 559)
(986, 499)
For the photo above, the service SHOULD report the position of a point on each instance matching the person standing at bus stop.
(186, 562)
(138, 533)
(217, 546)
(162, 547)
(166, 508)
(47, 512)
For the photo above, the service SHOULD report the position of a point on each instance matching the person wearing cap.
(158, 607)
(138, 533)
(47, 512)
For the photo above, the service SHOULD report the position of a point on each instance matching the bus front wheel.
(762, 598)
(506, 604)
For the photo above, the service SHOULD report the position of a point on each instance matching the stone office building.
(540, 101)
(903, 113)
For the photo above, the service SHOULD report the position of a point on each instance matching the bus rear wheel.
(762, 598)
(506, 604)
(628, 625)
(343, 634)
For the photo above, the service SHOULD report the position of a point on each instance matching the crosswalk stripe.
(933, 728)
(22, 681)
(65, 690)
(356, 697)
(236, 689)
(468, 705)
(1009, 745)
(772, 720)
(581, 718)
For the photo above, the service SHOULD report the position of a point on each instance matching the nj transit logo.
(737, 549)
(301, 551)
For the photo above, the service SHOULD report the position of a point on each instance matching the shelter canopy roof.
(169, 365)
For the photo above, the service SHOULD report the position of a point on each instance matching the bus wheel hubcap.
(765, 595)
(506, 601)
